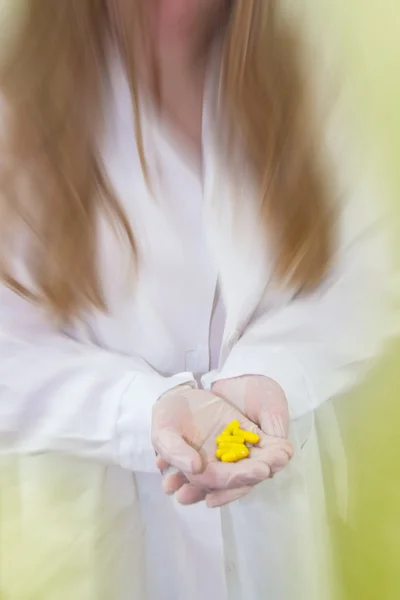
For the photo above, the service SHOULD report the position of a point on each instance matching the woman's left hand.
(260, 399)
(264, 403)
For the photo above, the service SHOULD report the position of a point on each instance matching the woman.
(170, 262)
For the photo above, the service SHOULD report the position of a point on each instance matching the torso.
(173, 317)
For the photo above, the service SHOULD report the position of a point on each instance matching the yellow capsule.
(230, 457)
(248, 436)
(228, 447)
(231, 439)
(235, 455)
(231, 428)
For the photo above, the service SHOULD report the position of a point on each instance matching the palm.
(199, 417)
(261, 399)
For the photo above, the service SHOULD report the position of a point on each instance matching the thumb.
(172, 447)
(274, 423)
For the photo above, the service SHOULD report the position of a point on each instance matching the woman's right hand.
(185, 425)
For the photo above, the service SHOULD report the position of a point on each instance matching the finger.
(277, 452)
(162, 465)
(279, 461)
(177, 452)
(223, 476)
(274, 424)
(269, 441)
(223, 497)
(173, 482)
(190, 494)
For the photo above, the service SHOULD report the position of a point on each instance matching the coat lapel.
(235, 238)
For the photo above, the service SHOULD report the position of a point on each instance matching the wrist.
(181, 388)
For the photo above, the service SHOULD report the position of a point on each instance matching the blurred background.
(368, 545)
(50, 513)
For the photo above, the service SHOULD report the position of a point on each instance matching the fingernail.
(211, 503)
(166, 488)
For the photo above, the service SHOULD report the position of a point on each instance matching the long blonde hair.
(52, 82)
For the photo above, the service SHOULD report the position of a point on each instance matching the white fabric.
(90, 393)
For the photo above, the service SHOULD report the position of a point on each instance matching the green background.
(368, 547)
(366, 34)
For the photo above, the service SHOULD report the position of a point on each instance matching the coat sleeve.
(59, 395)
(318, 346)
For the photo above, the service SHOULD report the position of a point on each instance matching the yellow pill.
(231, 439)
(231, 428)
(235, 455)
(239, 449)
(248, 436)
(230, 457)
(228, 447)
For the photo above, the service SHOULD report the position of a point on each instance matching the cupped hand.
(185, 424)
(260, 399)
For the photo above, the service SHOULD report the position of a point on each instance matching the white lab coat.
(89, 392)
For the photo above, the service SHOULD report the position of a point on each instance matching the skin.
(182, 25)
(181, 33)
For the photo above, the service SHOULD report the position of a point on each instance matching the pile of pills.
(233, 443)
